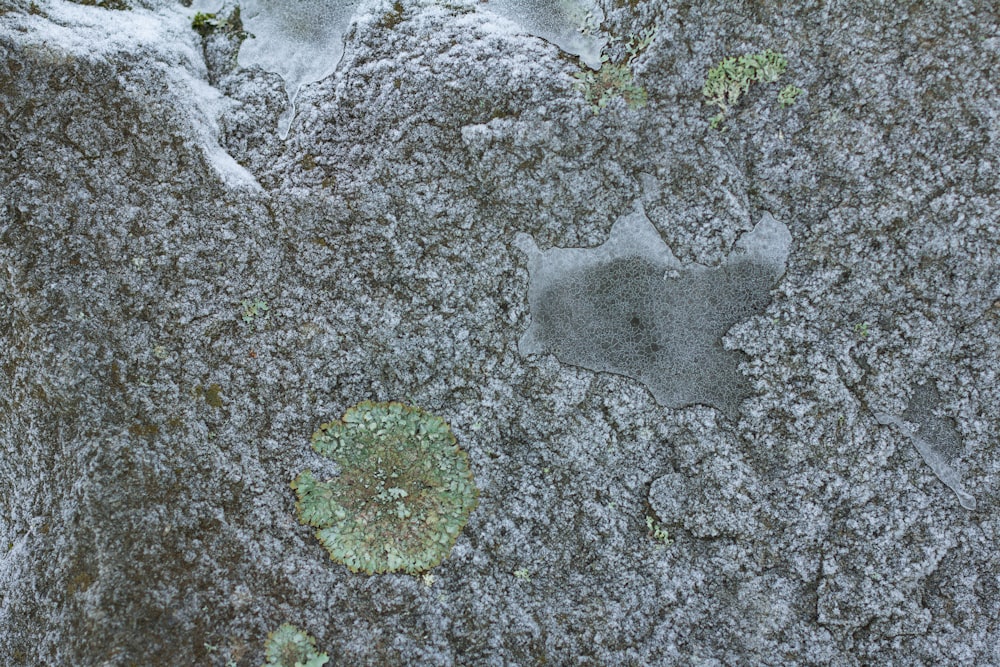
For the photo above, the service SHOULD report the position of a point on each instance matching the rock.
(153, 412)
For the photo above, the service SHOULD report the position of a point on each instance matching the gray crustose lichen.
(630, 307)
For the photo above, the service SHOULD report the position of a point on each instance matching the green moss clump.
(205, 24)
(404, 493)
(290, 647)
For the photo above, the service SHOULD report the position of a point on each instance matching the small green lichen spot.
(404, 493)
(788, 95)
(290, 647)
(731, 78)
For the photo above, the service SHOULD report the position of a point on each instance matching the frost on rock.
(936, 438)
(301, 41)
(569, 24)
(630, 307)
(161, 42)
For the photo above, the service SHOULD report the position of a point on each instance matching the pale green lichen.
(657, 531)
(615, 79)
(788, 95)
(290, 647)
(255, 309)
(403, 495)
(731, 78)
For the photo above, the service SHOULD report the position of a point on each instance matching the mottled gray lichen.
(630, 307)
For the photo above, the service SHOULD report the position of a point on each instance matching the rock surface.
(152, 416)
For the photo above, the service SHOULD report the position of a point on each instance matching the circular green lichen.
(290, 647)
(403, 495)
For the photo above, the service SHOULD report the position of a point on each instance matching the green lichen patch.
(727, 82)
(403, 495)
(614, 78)
(255, 310)
(788, 95)
(290, 647)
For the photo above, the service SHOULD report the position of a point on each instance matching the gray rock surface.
(149, 430)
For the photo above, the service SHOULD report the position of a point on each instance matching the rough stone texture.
(149, 434)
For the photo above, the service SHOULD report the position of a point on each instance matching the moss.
(79, 583)
(144, 430)
(308, 162)
(392, 18)
(212, 394)
(205, 24)
(404, 493)
(120, 5)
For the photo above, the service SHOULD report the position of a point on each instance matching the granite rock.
(150, 421)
